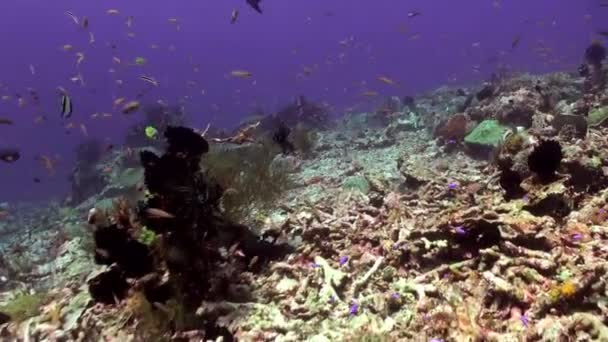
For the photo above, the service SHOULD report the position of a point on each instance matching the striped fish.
(149, 79)
(66, 106)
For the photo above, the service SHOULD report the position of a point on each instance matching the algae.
(357, 183)
(24, 306)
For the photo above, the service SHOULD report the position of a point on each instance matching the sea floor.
(449, 222)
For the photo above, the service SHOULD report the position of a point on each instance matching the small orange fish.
(369, 93)
(48, 164)
(107, 169)
(119, 101)
(158, 213)
(386, 80)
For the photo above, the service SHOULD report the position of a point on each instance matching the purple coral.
(343, 260)
(525, 320)
(354, 309)
(460, 230)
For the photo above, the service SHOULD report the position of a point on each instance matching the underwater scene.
(265, 170)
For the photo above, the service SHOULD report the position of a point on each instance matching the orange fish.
(386, 80)
(369, 93)
(48, 164)
(39, 119)
(158, 213)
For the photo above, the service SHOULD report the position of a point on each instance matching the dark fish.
(255, 4)
(281, 136)
(36, 180)
(6, 121)
(603, 33)
(9, 155)
(409, 101)
(595, 53)
(413, 14)
(515, 42)
(66, 106)
(583, 70)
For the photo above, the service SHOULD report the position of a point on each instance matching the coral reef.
(381, 233)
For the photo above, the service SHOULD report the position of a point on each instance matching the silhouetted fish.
(9, 155)
(255, 4)
(281, 136)
(515, 41)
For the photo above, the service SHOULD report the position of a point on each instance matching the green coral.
(23, 306)
(146, 236)
(487, 134)
(597, 116)
(358, 183)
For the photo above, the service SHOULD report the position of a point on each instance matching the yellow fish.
(241, 73)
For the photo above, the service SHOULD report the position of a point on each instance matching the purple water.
(454, 36)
